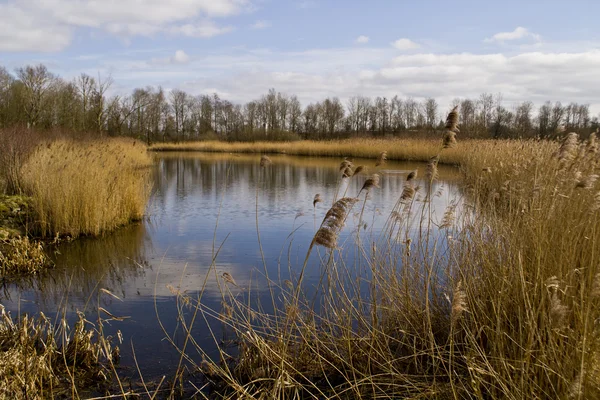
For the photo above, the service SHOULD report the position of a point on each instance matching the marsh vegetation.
(492, 293)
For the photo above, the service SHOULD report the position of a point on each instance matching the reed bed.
(86, 187)
(395, 149)
(499, 299)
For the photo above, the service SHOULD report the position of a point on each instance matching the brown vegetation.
(507, 311)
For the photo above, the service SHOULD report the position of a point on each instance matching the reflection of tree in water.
(86, 265)
(187, 174)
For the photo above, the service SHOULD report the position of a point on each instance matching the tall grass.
(86, 187)
(499, 301)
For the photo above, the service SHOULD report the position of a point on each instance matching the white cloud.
(362, 39)
(49, 25)
(519, 33)
(405, 44)
(181, 57)
(202, 30)
(260, 25)
(531, 76)
(22, 31)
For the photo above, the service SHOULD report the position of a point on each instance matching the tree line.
(33, 96)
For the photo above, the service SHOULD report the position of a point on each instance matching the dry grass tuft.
(19, 256)
(39, 360)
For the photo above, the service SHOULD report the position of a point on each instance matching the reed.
(86, 187)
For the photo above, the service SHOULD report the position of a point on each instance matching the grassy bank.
(508, 310)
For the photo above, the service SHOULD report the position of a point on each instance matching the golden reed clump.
(333, 222)
(87, 187)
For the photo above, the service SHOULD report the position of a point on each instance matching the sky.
(526, 50)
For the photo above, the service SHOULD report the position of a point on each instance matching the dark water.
(201, 204)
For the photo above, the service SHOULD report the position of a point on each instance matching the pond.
(204, 211)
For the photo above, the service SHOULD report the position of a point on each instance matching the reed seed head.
(317, 199)
(333, 222)
(591, 145)
(370, 183)
(407, 193)
(412, 175)
(347, 173)
(568, 148)
(345, 164)
(265, 161)
(459, 302)
(587, 182)
(449, 140)
(432, 169)
(558, 311)
(228, 278)
(381, 160)
(358, 170)
(452, 120)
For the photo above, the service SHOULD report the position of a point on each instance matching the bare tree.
(37, 81)
(431, 107)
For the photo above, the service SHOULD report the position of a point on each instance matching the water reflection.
(203, 222)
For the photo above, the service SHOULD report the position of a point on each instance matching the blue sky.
(528, 50)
